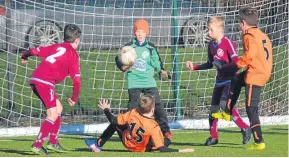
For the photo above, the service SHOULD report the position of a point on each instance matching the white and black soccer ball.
(128, 55)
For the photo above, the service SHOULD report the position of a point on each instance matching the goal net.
(178, 29)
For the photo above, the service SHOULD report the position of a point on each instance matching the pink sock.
(46, 128)
(214, 129)
(54, 134)
(238, 119)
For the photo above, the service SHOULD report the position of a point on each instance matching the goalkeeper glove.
(165, 75)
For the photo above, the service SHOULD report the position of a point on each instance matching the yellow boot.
(257, 146)
(222, 115)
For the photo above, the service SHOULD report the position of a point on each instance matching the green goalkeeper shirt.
(141, 74)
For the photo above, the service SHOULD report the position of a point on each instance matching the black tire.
(43, 33)
(195, 33)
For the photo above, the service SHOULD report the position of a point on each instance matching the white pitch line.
(6, 140)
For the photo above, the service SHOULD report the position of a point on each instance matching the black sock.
(257, 133)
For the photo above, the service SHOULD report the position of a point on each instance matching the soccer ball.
(128, 55)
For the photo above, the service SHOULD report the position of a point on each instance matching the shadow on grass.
(20, 152)
(188, 144)
(264, 131)
(106, 150)
(230, 144)
(200, 144)
(226, 146)
(280, 129)
(112, 139)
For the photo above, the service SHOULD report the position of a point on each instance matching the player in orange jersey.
(258, 61)
(137, 129)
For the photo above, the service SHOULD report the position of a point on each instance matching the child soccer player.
(58, 61)
(257, 59)
(137, 129)
(140, 75)
(222, 54)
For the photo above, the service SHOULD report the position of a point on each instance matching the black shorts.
(220, 92)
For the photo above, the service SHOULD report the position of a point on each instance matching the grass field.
(230, 144)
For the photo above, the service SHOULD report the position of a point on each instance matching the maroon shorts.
(46, 94)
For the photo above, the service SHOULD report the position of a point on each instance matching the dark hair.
(249, 15)
(71, 33)
(146, 103)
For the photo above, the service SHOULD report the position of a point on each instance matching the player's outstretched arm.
(105, 106)
(25, 55)
(39, 52)
(190, 65)
(205, 66)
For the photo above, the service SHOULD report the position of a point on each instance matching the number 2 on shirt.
(60, 52)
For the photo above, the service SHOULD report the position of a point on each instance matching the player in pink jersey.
(221, 54)
(58, 61)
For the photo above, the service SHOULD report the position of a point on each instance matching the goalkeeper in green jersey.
(140, 74)
(140, 77)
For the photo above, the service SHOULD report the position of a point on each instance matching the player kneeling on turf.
(137, 129)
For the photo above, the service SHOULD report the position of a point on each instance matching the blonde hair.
(217, 21)
(146, 104)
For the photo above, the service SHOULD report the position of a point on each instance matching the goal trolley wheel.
(43, 33)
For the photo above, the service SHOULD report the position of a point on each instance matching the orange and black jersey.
(141, 130)
(257, 58)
